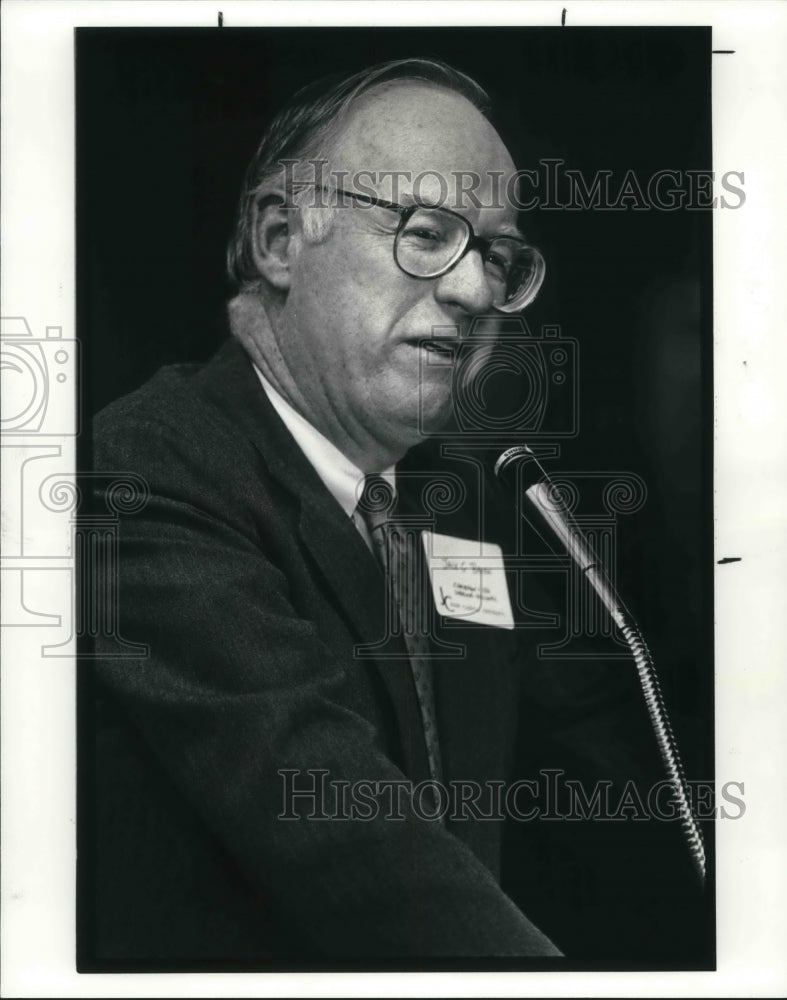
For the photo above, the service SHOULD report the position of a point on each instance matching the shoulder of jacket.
(181, 443)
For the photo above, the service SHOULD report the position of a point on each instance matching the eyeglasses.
(430, 241)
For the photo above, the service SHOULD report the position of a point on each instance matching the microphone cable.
(543, 497)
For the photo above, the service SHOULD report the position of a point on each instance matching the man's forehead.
(413, 129)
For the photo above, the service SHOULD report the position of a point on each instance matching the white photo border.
(750, 314)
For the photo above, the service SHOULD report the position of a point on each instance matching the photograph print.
(395, 539)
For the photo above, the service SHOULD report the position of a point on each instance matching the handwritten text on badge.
(468, 580)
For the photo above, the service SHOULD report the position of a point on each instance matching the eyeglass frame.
(474, 241)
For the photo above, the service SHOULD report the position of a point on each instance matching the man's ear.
(271, 240)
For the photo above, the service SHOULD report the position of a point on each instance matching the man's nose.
(465, 286)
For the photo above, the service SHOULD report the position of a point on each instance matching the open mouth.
(444, 347)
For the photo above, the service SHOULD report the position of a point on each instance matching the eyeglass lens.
(430, 241)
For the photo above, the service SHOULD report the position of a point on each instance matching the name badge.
(468, 580)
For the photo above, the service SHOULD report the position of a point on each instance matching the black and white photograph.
(351, 704)
(393, 529)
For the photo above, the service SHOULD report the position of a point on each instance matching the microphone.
(544, 499)
(519, 467)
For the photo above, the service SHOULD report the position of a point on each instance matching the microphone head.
(508, 460)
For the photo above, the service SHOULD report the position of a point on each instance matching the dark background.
(168, 119)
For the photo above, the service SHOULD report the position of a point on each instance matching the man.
(267, 593)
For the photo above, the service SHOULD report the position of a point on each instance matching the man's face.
(352, 322)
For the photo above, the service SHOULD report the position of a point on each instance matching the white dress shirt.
(342, 478)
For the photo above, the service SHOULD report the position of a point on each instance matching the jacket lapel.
(350, 571)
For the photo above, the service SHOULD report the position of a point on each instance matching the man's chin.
(431, 418)
(426, 414)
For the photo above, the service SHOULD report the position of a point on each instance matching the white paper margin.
(38, 697)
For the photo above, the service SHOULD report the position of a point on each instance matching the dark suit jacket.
(252, 590)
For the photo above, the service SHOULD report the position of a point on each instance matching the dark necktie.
(395, 548)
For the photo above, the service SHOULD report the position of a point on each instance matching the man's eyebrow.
(408, 199)
(505, 229)
(509, 229)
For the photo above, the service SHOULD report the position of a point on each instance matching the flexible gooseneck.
(543, 498)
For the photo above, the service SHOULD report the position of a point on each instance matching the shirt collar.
(342, 478)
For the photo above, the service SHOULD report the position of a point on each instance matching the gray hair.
(307, 128)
